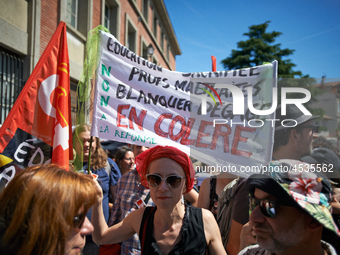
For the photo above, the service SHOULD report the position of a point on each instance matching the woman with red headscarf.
(171, 227)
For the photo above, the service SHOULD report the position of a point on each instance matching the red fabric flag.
(213, 66)
(38, 128)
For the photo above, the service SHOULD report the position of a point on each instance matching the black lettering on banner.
(121, 91)
(253, 71)
(172, 102)
(184, 85)
(109, 44)
(146, 77)
(117, 48)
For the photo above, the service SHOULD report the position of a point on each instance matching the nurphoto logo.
(238, 102)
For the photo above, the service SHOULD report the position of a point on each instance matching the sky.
(205, 28)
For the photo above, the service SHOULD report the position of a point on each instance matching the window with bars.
(11, 81)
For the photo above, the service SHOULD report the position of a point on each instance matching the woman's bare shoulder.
(135, 218)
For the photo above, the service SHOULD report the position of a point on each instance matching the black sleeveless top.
(193, 238)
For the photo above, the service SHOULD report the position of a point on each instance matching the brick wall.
(96, 18)
(48, 22)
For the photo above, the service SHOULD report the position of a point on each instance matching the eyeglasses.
(78, 221)
(314, 128)
(268, 207)
(173, 181)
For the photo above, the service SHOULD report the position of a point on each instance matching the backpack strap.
(212, 190)
(224, 209)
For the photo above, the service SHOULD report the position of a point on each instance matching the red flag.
(213, 66)
(38, 128)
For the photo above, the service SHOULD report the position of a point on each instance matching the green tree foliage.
(261, 48)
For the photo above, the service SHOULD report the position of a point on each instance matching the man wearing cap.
(293, 133)
(329, 163)
(292, 141)
(290, 209)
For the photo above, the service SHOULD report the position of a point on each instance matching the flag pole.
(89, 162)
(213, 66)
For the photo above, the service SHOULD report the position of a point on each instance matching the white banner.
(216, 117)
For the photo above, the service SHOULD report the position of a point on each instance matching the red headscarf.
(144, 159)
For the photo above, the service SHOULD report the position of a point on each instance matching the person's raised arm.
(212, 234)
(102, 234)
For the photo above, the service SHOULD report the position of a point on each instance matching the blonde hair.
(99, 157)
(38, 207)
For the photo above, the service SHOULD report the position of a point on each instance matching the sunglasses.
(78, 221)
(268, 207)
(314, 128)
(173, 181)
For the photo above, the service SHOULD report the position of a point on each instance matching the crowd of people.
(141, 200)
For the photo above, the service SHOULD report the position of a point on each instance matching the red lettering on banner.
(201, 134)
(186, 135)
(211, 140)
(225, 135)
(157, 126)
(138, 120)
(120, 116)
(238, 138)
(133, 118)
(180, 119)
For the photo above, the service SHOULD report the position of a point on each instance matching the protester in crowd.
(210, 190)
(125, 159)
(290, 209)
(111, 147)
(130, 195)
(171, 226)
(289, 143)
(215, 195)
(322, 142)
(293, 142)
(103, 167)
(239, 215)
(327, 162)
(43, 211)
